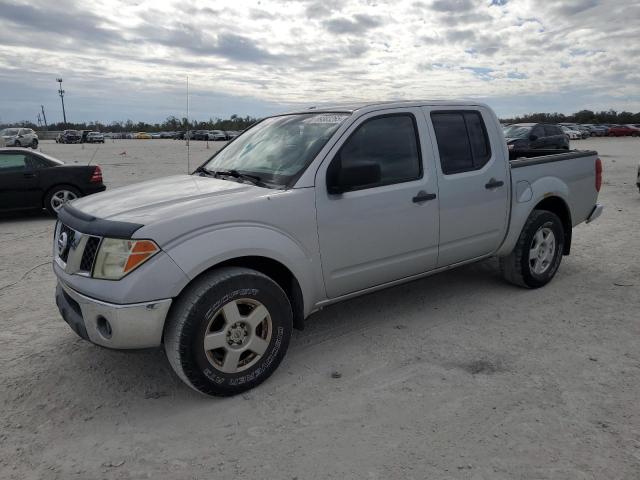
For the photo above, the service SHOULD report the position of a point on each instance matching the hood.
(165, 197)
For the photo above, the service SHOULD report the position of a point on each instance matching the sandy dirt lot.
(457, 376)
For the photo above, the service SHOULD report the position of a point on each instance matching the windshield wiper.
(256, 180)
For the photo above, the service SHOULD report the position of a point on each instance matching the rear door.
(19, 182)
(384, 231)
(473, 182)
(541, 140)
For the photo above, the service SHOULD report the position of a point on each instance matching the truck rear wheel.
(537, 255)
(228, 331)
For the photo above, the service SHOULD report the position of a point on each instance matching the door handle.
(423, 197)
(493, 183)
(29, 175)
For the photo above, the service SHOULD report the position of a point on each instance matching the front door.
(473, 182)
(386, 230)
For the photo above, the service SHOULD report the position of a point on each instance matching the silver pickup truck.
(304, 210)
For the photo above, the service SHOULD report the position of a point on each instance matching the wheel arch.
(57, 185)
(558, 206)
(274, 269)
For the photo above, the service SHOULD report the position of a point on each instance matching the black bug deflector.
(91, 225)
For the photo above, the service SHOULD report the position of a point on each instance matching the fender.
(521, 208)
(204, 249)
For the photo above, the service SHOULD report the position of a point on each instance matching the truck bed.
(522, 158)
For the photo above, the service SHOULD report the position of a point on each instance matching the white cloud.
(288, 52)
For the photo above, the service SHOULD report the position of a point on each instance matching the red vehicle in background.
(623, 131)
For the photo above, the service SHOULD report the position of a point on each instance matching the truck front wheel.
(537, 255)
(228, 331)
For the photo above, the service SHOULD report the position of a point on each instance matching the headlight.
(116, 257)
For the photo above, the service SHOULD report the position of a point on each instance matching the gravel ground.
(457, 376)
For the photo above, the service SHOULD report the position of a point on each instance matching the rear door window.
(462, 141)
(12, 162)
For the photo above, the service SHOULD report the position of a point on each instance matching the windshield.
(9, 132)
(279, 148)
(517, 131)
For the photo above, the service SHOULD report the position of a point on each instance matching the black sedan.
(33, 180)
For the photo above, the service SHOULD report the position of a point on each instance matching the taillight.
(96, 176)
(598, 174)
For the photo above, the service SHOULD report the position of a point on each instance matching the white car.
(573, 134)
(19, 137)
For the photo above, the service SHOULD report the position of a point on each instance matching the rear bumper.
(595, 212)
(137, 325)
(90, 189)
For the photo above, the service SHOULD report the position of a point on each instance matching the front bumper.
(595, 213)
(110, 325)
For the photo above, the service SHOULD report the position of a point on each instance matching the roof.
(352, 107)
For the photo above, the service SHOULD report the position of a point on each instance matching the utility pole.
(61, 93)
(44, 117)
(39, 121)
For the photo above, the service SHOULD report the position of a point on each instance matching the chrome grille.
(70, 235)
(75, 252)
(89, 254)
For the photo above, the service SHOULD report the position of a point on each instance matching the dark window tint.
(462, 141)
(538, 131)
(550, 130)
(37, 162)
(12, 162)
(389, 141)
(478, 138)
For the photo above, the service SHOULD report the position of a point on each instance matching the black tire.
(34, 144)
(517, 267)
(51, 193)
(17, 144)
(197, 310)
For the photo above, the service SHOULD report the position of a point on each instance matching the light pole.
(44, 117)
(61, 92)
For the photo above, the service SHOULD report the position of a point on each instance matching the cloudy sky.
(130, 59)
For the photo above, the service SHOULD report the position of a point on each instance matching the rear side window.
(392, 142)
(462, 141)
(551, 130)
(11, 162)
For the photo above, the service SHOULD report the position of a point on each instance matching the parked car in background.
(573, 134)
(167, 134)
(142, 136)
(531, 136)
(231, 134)
(597, 130)
(179, 136)
(19, 137)
(33, 180)
(155, 135)
(635, 129)
(95, 137)
(218, 135)
(622, 131)
(582, 131)
(201, 135)
(69, 136)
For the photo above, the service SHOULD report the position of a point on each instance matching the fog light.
(104, 327)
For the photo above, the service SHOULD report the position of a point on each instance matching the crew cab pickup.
(303, 210)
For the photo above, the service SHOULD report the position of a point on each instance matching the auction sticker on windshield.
(331, 118)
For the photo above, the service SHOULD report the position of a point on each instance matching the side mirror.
(343, 179)
(533, 138)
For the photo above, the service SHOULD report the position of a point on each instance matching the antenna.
(188, 133)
